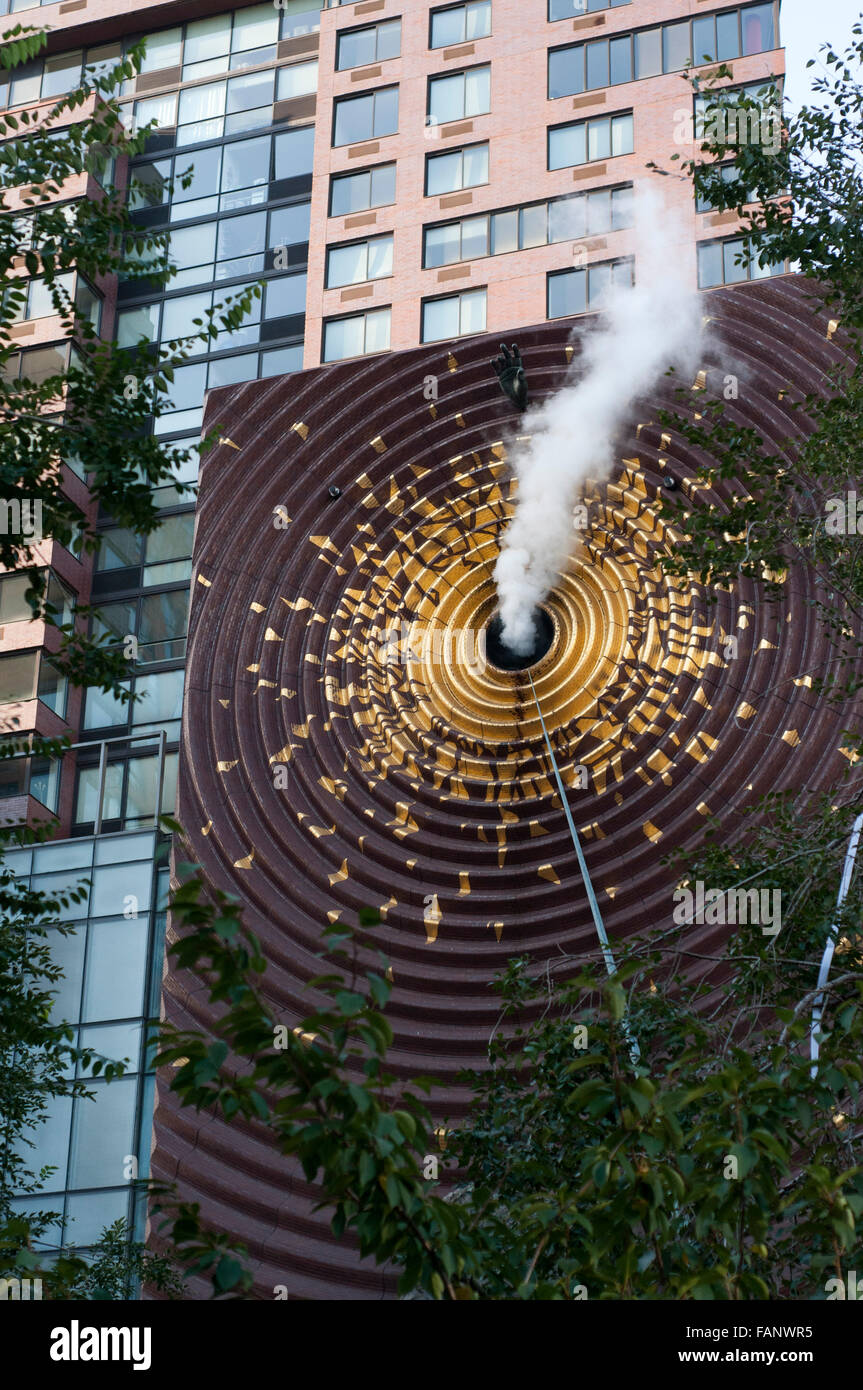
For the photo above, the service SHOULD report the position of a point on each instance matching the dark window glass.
(565, 71)
(294, 152)
(356, 48)
(620, 60)
(597, 63)
(704, 40)
(567, 294)
(727, 36)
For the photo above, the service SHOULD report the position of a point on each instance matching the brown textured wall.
(423, 788)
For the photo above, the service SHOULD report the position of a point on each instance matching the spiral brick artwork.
(340, 639)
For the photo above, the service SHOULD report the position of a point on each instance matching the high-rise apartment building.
(401, 176)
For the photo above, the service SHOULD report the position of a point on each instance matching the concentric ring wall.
(346, 745)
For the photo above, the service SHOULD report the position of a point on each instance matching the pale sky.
(804, 26)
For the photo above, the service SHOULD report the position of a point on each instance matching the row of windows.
(569, 292)
(457, 315)
(489, 234)
(222, 178)
(36, 299)
(536, 224)
(31, 675)
(599, 63)
(375, 43)
(204, 48)
(718, 264)
(568, 9)
(214, 109)
(244, 243)
(158, 704)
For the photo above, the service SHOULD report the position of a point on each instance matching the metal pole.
(827, 958)
(103, 763)
(582, 864)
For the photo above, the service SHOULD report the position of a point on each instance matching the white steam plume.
(642, 332)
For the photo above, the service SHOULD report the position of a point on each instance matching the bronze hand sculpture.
(511, 375)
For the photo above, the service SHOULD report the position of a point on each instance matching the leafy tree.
(801, 202)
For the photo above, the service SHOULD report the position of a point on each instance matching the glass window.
(565, 71)
(709, 264)
(364, 117)
(160, 698)
(192, 246)
(356, 335)
(458, 95)
(598, 213)
(474, 237)
(294, 152)
(284, 296)
(598, 284)
(283, 360)
(704, 40)
(567, 145)
(622, 135)
(504, 232)
(201, 174)
(172, 539)
(676, 50)
(290, 226)
(597, 63)
(598, 139)
(14, 607)
(18, 677)
(620, 60)
(442, 245)
(187, 388)
(61, 74)
(163, 50)
(102, 1134)
(300, 17)
(733, 272)
(356, 192)
(364, 260)
(241, 236)
(648, 53)
(757, 29)
(116, 969)
(151, 185)
(534, 226)
(298, 80)
(118, 549)
(40, 364)
(454, 316)
(88, 794)
(201, 111)
(255, 27)
(26, 84)
(460, 23)
(252, 90)
(567, 293)
(51, 688)
(103, 710)
(178, 314)
(225, 371)
(208, 41)
(728, 36)
(371, 44)
(447, 173)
